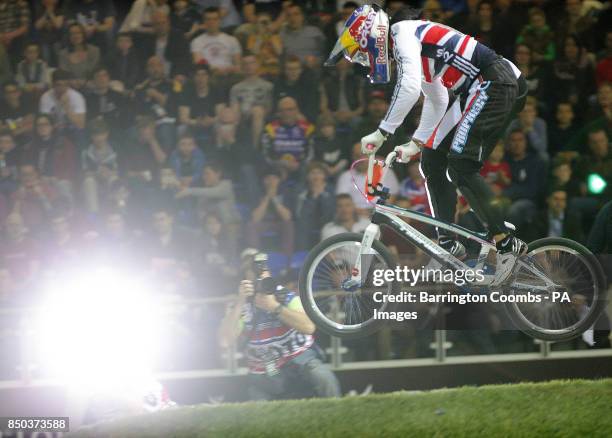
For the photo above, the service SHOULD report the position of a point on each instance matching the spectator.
(346, 219)
(272, 214)
(507, 16)
(14, 25)
(345, 182)
(251, 98)
(376, 109)
(573, 74)
(314, 207)
(266, 45)
(556, 220)
(187, 160)
(18, 252)
(169, 45)
(329, 149)
(215, 197)
(528, 175)
(563, 131)
(536, 74)
(140, 17)
(604, 62)
(17, 112)
(538, 36)
(53, 154)
(199, 105)
(67, 105)
(413, 189)
(496, 171)
(124, 63)
(9, 161)
(48, 26)
(155, 97)
(143, 155)
(287, 140)
(220, 50)
(533, 127)
(343, 94)
(106, 103)
(602, 104)
(79, 58)
(575, 22)
(33, 199)
(96, 16)
(300, 84)
(185, 18)
(483, 29)
(100, 166)
(335, 28)
(218, 255)
(598, 158)
(564, 180)
(116, 241)
(63, 248)
(301, 40)
(32, 73)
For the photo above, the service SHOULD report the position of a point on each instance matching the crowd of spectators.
(176, 133)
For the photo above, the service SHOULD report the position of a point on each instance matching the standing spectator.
(124, 62)
(215, 197)
(32, 73)
(345, 182)
(17, 112)
(413, 189)
(346, 219)
(100, 166)
(266, 45)
(187, 160)
(573, 73)
(272, 214)
(67, 105)
(155, 97)
(199, 105)
(329, 149)
(556, 220)
(97, 18)
(53, 154)
(169, 45)
(301, 40)
(534, 128)
(563, 131)
(343, 95)
(287, 140)
(220, 50)
(538, 36)
(48, 26)
(79, 57)
(301, 84)
(14, 25)
(528, 175)
(251, 98)
(314, 207)
(106, 103)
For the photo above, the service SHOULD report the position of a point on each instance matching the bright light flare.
(99, 331)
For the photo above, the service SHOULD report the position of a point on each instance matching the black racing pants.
(456, 162)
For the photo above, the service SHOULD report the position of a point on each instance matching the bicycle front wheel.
(335, 305)
(570, 284)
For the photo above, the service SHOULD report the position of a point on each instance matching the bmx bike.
(337, 281)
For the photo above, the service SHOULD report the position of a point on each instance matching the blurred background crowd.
(170, 135)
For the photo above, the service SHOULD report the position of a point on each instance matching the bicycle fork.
(372, 232)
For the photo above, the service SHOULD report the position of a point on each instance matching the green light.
(596, 183)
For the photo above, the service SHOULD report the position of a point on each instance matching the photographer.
(279, 345)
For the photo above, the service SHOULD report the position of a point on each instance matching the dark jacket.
(177, 52)
(571, 229)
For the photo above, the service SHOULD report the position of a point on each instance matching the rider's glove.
(406, 151)
(372, 142)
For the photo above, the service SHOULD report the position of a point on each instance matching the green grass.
(558, 408)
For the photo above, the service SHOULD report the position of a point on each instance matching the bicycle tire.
(521, 322)
(307, 298)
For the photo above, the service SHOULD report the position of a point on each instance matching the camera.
(260, 265)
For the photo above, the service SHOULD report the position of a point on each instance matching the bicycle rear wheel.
(334, 305)
(572, 290)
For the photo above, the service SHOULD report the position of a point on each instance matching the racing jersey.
(271, 344)
(432, 58)
(280, 141)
